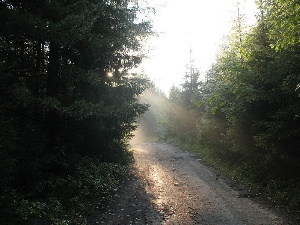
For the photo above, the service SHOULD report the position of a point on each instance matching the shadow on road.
(130, 205)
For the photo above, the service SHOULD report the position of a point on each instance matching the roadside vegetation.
(244, 117)
(67, 105)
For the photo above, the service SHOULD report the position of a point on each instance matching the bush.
(65, 200)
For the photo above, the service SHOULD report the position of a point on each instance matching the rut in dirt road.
(174, 187)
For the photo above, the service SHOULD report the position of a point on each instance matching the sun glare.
(109, 74)
(196, 24)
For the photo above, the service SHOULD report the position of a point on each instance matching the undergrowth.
(65, 200)
(279, 189)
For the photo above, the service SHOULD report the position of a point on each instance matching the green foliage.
(69, 200)
(64, 122)
(284, 18)
(284, 193)
(245, 117)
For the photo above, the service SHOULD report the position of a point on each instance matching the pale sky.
(201, 24)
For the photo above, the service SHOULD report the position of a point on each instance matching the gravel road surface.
(169, 186)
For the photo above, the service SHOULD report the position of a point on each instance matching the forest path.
(169, 186)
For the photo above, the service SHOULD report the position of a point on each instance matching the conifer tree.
(59, 106)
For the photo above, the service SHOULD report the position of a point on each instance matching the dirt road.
(170, 186)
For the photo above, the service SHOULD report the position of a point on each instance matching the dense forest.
(67, 104)
(244, 117)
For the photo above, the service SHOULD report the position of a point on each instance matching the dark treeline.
(67, 105)
(245, 116)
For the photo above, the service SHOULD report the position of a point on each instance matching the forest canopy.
(244, 114)
(67, 104)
